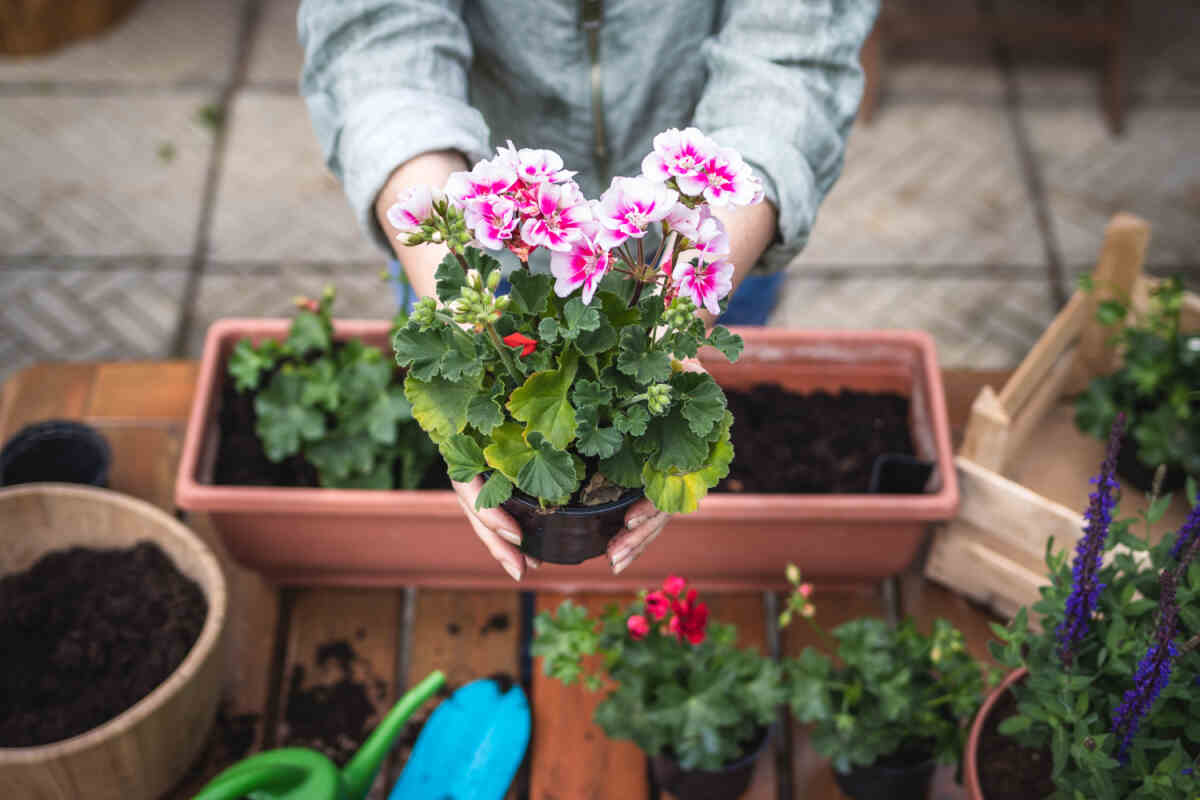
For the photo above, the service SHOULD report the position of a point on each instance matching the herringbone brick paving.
(109, 157)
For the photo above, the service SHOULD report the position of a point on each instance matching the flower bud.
(793, 574)
(503, 301)
(474, 279)
(808, 611)
(493, 280)
(436, 237)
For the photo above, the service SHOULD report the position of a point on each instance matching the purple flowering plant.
(571, 387)
(1113, 691)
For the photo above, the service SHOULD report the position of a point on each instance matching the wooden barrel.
(142, 752)
(38, 26)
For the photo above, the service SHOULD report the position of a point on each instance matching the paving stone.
(1153, 171)
(276, 201)
(109, 176)
(977, 321)
(275, 54)
(160, 42)
(59, 310)
(267, 291)
(928, 184)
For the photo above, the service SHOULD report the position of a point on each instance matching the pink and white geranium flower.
(413, 207)
(702, 278)
(629, 206)
(535, 166)
(493, 219)
(710, 237)
(487, 178)
(678, 154)
(582, 266)
(723, 180)
(561, 211)
(684, 220)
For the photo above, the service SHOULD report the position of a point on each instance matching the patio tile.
(928, 184)
(267, 291)
(60, 310)
(1153, 171)
(977, 321)
(160, 42)
(108, 176)
(275, 54)
(276, 201)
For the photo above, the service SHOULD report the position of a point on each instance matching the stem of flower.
(505, 356)
(1191, 644)
(821, 631)
(641, 255)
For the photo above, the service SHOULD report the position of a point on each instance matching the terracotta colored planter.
(971, 757)
(342, 536)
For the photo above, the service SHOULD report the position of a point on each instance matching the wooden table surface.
(300, 658)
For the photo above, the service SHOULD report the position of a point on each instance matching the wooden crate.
(1023, 466)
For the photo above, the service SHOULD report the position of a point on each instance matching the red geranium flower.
(673, 585)
(638, 627)
(690, 620)
(657, 605)
(522, 341)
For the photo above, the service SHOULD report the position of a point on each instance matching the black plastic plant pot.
(569, 534)
(1140, 476)
(56, 450)
(728, 783)
(889, 781)
(897, 473)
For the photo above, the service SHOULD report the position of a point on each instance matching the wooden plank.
(1118, 268)
(143, 390)
(812, 777)
(45, 391)
(1044, 398)
(1046, 353)
(963, 559)
(339, 670)
(571, 757)
(962, 386)
(144, 461)
(986, 438)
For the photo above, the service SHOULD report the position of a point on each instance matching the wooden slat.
(572, 758)
(143, 390)
(45, 391)
(812, 777)
(144, 462)
(1046, 352)
(1118, 268)
(366, 620)
(986, 438)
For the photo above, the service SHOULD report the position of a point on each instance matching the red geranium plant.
(678, 682)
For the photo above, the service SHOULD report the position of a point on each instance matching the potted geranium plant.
(569, 392)
(1157, 388)
(1103, 701)
(894, 705)
(681, 689)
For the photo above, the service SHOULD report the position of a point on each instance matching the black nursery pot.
(56, 450)
(888, 781)
(1131, 468)
(571, 534)
(728, 783)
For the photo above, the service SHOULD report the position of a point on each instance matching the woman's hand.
(498, 531)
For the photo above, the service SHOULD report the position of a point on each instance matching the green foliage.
(1068, 710)
(1157, 386)
(338, 406)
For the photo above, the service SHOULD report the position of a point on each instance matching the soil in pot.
(88, 633)
(241, 460)
(728, 783)
(1008, 771)
(1140, 476)
(903, 775)
(816, 443)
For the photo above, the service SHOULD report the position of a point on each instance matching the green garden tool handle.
(295, 773)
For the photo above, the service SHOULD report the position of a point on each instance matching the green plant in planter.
(682, 686)
(896, 693)
(1113, 691)
(571, 387)
(339, 405)
(1157, 387)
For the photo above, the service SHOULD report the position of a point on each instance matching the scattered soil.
(812, 443)
(496, 623)
(1008, 771)
(241, 460)
(88, 633)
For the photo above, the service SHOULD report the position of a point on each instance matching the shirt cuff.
(388, 127)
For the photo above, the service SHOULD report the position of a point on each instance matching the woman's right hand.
(498, 531)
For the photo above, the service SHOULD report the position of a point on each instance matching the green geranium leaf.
(508, 451)
(461, 356)
(548, 330)
(496, 489)
(702, 399)
(417, 454)
(380, 477)
(310, 331)
(464, 457)
(247, 363)
(632, 420)
(451, 277)
(1096, 408)
(590, 394)
(595, 440)
(362, 380)
(541, 402)
(616, 311)
(420, 351)
(637, 360)
(529, 293)
(439, 405)
(601, 340)
(680, 492)
(730, 344)
(484, 413)
(579, 318)
(650, 311)
(339, 456)
(389, 409)
(283, 422)
(672, 445)
(321, 387)
(623, 467)
(550, 474)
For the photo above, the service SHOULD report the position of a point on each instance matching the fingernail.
(620, 555)
(512, 569)
(633, 523)
(510, 537)
(618, 566)
(533, 562)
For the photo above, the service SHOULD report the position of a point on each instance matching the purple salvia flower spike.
(1153, 672)
(1188, 533)
(1089, 552)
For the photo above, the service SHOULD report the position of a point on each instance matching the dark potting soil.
(86, 634)
(813, 443)
(1008, 771)
(241, 460)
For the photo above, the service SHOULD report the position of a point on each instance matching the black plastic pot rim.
(627, 499)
